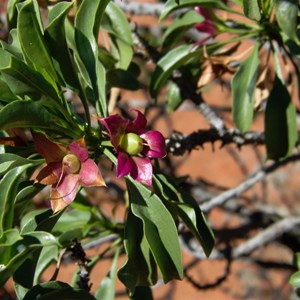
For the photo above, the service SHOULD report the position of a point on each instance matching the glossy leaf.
(295, 280)
(22, 80)
(172, 5)
(287, 14)
(187, 209)
(47, 256)
(168, 63)
(55, 38)
(173, 96)
(118, 26)
(280, 122)
(9, 187)
(139, 268)
(252, 9)
(243, 90)
(41, 220)
(180, 24)
(32, 114)
(23, 250)
(87, 23)
(13, 45)
(159, 229)
(32, 41)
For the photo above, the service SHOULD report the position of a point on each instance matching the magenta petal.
(144, 170)
(67, 187)
(138, 125)
(207, 26)
(125, 165)
(80, 152)
(156, 144)
(88, 172)
(116, 128)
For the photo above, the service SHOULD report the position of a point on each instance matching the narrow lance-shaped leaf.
(159, 229)
(252, 9)
(32, 41)
(280, 122)
(139, 268)
(9, 186)
(243, 90)
(55, 38)
(287, 14)
(32, 114)
(186, 208)
(87, 23)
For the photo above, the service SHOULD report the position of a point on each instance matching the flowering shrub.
(63, 62)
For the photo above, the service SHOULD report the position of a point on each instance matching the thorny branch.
(178, 144)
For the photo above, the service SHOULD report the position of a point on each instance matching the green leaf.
(118, 26)
(187, 209)
(32, 41)
(23, 250)
(122, 79)
(243, 90)
(142, 292)
(140, 267)
(9, 161)
(40, 220)
(58, 291)
(280, 122)
(287, 14)
(22, 80)
(55, 38)
(168, 63)
(87, 23)
(295, 280)
(106, 290)
(252, 9)
(7, 239)
(173, 96)
(159, 229)
(172, 5)
(179, 25)
(9, 187)
(32, 114)
(13, 46)
(47, 256)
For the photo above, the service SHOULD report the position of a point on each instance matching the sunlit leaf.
(140, 267)
(32, 41)
(243, 90)
(252, 9)
(159, 229)
(287, 14)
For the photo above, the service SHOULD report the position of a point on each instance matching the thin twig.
(244, 186)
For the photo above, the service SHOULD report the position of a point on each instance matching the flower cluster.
(134, 145)
(68, 167)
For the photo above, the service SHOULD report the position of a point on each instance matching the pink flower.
(66, 169)
(134, 145)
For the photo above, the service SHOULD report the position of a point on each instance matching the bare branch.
(244, 186)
